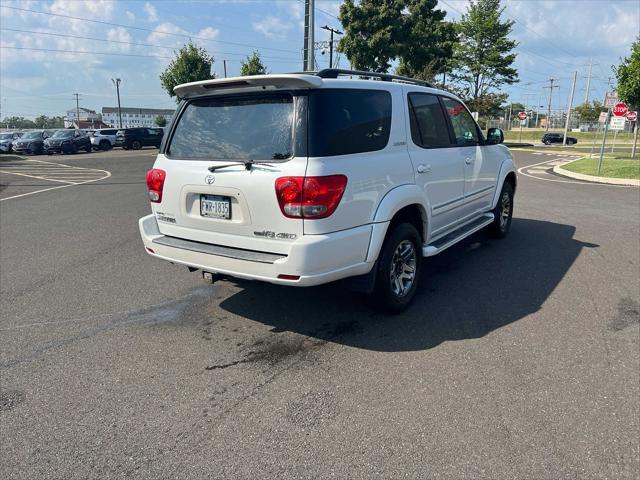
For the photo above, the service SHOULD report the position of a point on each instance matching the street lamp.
(116, 82)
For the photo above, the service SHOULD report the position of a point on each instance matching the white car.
(304, 179)
(103, 139)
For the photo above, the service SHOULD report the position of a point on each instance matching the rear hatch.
(222, 160)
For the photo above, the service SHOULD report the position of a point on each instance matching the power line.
(184, 35)
(66, 35)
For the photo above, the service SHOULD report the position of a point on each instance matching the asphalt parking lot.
(518, 359)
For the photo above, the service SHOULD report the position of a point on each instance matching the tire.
(400, 252)
(88, 148)
(136, 145)
(105, 145)
(503, 212)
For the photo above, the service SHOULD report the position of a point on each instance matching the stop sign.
(632, 116)
(620, 109)
(522, 115)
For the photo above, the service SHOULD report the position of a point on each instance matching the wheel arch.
(507, 174)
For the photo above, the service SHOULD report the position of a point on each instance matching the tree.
(483, 58)
(18, 122)
(253, 65)
(378, 32)
(628, 76)
(161, 121)
(191, 64)
(589, 112)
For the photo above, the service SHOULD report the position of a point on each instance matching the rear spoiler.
(209, 87)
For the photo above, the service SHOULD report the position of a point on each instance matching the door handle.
(468, 160)
(422, 168)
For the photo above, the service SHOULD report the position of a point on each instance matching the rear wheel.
(503, 212)
(105, 145)
(398, 269)
(136, 145)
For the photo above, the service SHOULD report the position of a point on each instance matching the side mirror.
(495, 136)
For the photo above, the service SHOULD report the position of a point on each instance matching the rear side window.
(464, 126)
(428, 123)
(344, 121)
(238, 128)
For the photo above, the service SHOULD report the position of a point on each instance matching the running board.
(457, 235)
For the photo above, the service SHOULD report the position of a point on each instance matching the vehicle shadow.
(466, 292)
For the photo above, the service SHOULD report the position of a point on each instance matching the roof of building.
(82, 109)
(142, 111)
(85, 124)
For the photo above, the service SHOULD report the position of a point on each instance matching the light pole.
(116, 82)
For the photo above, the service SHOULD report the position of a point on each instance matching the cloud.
(209, 33)
(152, 13)
(130, 15)
(272, 27)
(119, 34)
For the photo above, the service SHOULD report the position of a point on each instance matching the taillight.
(310, 197)
(155, 183)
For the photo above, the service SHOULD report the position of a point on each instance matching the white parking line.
(52, 172)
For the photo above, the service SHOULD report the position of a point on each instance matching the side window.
(428, 124)
(345, 121)
(464, 126)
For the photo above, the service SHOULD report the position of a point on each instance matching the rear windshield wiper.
(247, 165)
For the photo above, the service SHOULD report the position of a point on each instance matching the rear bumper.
(317, 259)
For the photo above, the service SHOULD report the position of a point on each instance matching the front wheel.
(503, 212)
(398, 269)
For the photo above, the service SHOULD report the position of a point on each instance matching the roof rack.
(385, 77)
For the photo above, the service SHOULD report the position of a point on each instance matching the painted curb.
(631, 182)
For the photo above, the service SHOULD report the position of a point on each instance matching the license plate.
(215, 206)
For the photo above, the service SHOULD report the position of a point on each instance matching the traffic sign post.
(604, 139)
(522, 116)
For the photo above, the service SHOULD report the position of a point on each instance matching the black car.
(31, 142)
(549, 138)
(68, 141)
(136, 138)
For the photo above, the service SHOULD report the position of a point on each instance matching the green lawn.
(584, 138)
(611, 167)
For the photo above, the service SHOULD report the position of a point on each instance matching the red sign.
(522, 115)
(632, 116)
(620, 109)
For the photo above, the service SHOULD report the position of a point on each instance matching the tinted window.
(343, 121)
(464, 126)
(428, 123)
(242, 128)
(107, 132)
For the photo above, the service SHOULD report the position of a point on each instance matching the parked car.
(31, 142)
(67, 141)
(319, 177)
(136, 138)
(549, 138)
(103, 139)
(6, 139)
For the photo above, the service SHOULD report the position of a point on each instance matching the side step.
(457, 235)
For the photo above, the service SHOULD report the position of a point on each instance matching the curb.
(630, 182)
(11, 156)
(556, 152)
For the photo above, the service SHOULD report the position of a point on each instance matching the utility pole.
(224, 64)
(77, 95)
(550, 87)
(326, 27)
(566, 123)
(586, 95)
(309, 52)
(116, 82)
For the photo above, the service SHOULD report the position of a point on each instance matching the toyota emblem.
(210, 179)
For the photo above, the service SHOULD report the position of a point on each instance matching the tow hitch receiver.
(209, 277)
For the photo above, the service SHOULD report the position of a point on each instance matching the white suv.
(104, 139)
(303, 179)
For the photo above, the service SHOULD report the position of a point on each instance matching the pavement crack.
(222, 366)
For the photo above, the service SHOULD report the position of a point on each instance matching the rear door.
(438, 162)
(235, 205)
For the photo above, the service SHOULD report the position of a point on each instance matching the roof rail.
(385, 77)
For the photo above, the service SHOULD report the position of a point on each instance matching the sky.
(78, 46)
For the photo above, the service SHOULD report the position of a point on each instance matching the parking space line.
(34, 176)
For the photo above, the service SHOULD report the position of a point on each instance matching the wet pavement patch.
(9, 399)
(628, 314)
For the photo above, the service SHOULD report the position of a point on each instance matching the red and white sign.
(620, 109)
(632, 116)
(522, 115)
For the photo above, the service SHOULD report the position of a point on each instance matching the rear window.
(238, 128)
(344, 121)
